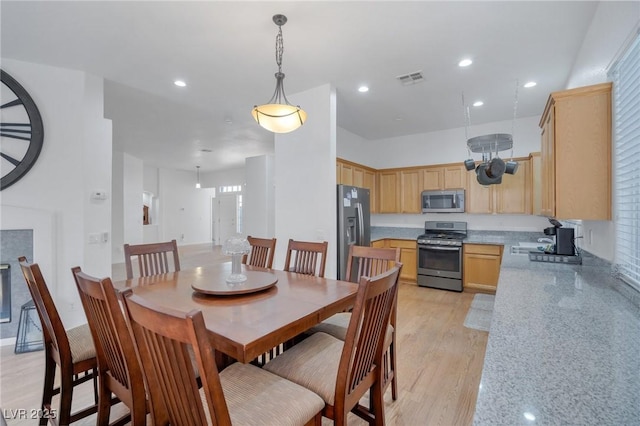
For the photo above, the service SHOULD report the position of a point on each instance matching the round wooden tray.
(256, 281)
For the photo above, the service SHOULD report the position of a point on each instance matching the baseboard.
(9, 341)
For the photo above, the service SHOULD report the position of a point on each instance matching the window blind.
(626, 113)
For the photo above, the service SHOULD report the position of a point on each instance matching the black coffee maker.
(564, 238)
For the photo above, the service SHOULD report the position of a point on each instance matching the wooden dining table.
(246, 325)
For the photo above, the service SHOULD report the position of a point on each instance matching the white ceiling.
(225, 51)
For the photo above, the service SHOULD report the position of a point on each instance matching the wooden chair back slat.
(262, 252)
(364, 342)
(116, 353)
(309, 258)
(371, 261)
(163, 337)
(152, 259)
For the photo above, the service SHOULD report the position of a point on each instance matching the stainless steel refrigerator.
(354, 223)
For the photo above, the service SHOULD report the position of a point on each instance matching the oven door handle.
(440, 248)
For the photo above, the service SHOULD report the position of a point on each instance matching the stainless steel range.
(440, 255)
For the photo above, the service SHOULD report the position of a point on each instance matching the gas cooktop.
(443, 233)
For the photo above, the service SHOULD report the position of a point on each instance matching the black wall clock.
(21, 131)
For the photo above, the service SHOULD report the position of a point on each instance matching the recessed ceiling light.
(180, 83)
(530, 84)
(478, 103)
(465, 63)
(363, 89)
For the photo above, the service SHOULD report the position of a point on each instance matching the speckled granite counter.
(564, 343)
(563, 349)
(380, 232)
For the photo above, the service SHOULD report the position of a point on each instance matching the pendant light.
(278, 115)
(198, 177)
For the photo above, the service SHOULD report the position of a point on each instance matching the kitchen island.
(563, 348)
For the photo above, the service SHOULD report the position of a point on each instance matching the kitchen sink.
(525, 247)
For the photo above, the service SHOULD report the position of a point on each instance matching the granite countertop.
(563, 348)
(564, 342)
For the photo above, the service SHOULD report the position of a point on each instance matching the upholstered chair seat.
(255, 396)
(81, 343)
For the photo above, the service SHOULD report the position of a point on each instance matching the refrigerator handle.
(360, 224)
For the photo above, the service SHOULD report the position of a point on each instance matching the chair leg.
(377, 403)
(392, 363)
(104, 403)
(47, 392)
(66, 396)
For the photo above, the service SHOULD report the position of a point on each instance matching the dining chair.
(72, 350)
(119, 371)
(305, 257)
(262, 252)
(152, 258)
(369, 261)
(341, 372)
(241, 394)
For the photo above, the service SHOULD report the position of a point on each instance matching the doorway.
(224, 217)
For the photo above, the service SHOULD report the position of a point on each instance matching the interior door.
(224, 218)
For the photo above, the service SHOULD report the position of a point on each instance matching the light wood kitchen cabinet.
(481, 267)
(408, 257)
(410, 184)
(442, 177)
(512, 196)
(369, 181)
(378, 243)
(535, 170)
(348, 173)
(576, 154)
(388, 195)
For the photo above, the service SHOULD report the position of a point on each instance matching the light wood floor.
(439, 365)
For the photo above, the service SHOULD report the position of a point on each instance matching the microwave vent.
(411, 78)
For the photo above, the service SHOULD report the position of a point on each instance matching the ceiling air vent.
(411, 78)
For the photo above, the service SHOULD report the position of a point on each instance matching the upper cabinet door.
(576, 153)
(444, 177)
(388, 199)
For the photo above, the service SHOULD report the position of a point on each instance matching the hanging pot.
(496, 168)
(483, 176)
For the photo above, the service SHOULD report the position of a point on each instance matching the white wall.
(305, 177)
(117, 207)
(614, 25)
(259, 197)
(448, 146)
(222, 178)
(74, 161)
(184, 209)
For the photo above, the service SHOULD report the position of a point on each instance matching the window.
(239, 215)
(626, 112)
(230, 188)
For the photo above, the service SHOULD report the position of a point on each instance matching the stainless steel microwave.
(449, 201)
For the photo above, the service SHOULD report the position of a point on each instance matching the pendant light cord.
(279, 48)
